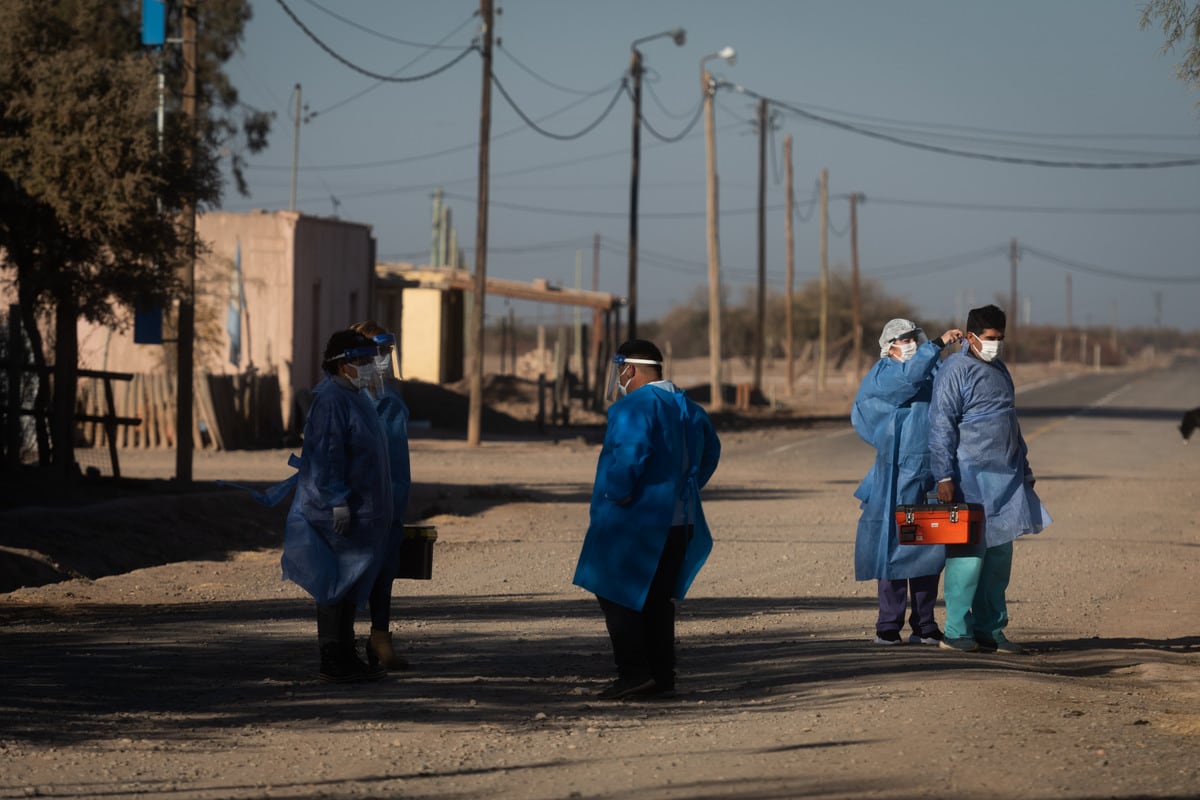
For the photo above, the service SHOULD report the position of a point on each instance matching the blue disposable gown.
(891, 413)
(393, 417)
(659, 450)
(974, 438)
(344, 462)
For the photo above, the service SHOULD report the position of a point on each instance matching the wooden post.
(790, 292)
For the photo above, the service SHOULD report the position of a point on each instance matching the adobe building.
(301, 278)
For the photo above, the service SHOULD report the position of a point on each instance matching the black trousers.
(335, 623)
(643, 641)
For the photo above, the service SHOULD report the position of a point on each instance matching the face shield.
(619, 375)
(382, 362)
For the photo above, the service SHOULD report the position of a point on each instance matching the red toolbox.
(939, 523)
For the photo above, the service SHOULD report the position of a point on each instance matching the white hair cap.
(893, 331)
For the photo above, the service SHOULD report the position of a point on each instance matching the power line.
(1092, 269)
(649, 84)
(362, 70)
(550, 134)
(888, 121)
(579, 212)
(941, 264)
(1033, 162)
(530, 71)
(379, 34)
(401, 69)
(1033, 209)
(679, 136)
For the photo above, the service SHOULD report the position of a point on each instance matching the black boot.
(341, 664)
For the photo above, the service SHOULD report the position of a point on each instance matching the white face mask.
(907, 350)
(988, 350)
(623, 388)
(359, 376)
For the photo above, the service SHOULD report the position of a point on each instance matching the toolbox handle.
(908, 513)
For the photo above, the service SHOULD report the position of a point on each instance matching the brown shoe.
(380, 651)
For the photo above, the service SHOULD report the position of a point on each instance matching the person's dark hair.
(990, 316)
(641, 348)
(339, 343)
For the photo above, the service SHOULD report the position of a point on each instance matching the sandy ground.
(178, 665)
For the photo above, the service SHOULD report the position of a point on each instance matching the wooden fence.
(231, 412)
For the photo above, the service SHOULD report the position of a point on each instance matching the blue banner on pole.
(154, 22)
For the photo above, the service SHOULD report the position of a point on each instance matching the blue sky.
(1043, 80)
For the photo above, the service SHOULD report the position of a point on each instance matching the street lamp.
(708, 87)
(679, 35)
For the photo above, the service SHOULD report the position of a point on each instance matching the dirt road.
(196, 679)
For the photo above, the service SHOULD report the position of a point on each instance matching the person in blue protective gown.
(338, 524)
(979, 456)
(891, 413)
(647, 537)
(384, 391)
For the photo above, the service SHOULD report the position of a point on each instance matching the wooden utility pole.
(596, 318)
(823, 315)
(855, 300)
(185, 346)
(475, 409)
(760, 323)
(714, 252)
(790, 291)
(635, 71)
(295, 149)
(1010, 335)
(1069, 325)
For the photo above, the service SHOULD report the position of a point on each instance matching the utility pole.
(635, 72)
(855, 300)
(760, 324)
(789, 334)
(475, 408)
(185, 346)
(295, 149)
(635, 69)
(823, 315)
(1069, 325)
(714, 253)
(1010, 335)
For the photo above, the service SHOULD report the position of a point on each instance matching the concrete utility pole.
(855, 302)
(475, 408)
(635, 72)
(708, 87)
(760, 322)
(185, 346)
(789, 332)
(1010, 335)
(823, 314)
(295, 149)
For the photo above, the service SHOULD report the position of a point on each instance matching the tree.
(1179, 23)
(89, 206)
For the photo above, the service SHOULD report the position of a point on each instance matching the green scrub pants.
(974, 585)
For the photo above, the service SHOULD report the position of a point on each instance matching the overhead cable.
(679, 136)
(362, 70)
(420, 56)
(550, 134)
(378, 34)
(1033, 162)
(530, 71)
(1092, 269)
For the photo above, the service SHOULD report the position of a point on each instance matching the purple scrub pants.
(894, 602)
